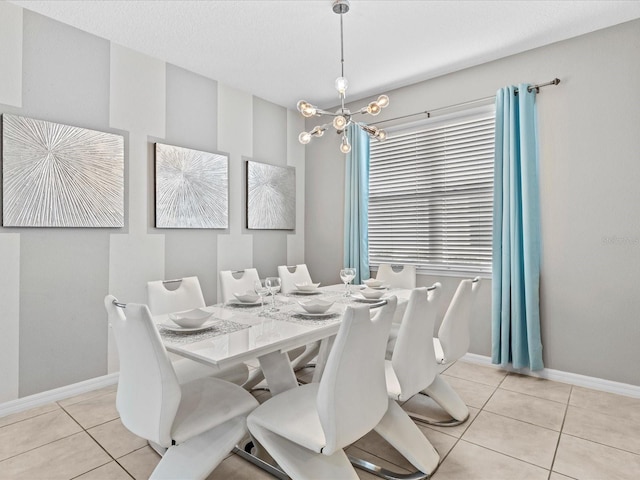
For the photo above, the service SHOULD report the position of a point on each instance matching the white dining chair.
(195, 424)
(237, 281)
(451, 344)
(288, 278)
(412, 367)
(403, 278)
(305, 429)
(168, 296)
(454, 334)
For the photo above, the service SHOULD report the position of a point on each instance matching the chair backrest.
(413, 358)
(148, 390)
(352, 396)
(229, 284)
(289, 279)
(186, 296)
(405, 278)
(454, 332)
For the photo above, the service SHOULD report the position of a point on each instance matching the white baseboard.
(563, 377)
(25, 403)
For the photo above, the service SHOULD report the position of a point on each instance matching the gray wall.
(590, 172)
(53, 281)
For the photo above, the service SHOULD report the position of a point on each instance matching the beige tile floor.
(520, 428)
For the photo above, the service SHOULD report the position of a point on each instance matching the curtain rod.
(428, 113)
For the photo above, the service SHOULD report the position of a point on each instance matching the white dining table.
(244, 333)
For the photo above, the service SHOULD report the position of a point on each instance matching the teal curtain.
(356, 204)
(516, 231)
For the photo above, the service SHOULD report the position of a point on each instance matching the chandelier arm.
(324, 112)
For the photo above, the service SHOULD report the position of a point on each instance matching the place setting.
(314, 309)
(306, 289)
(246, 299)
(194, 325)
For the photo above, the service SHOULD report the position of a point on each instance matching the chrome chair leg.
(436, 423)
(384, 473)
(246, 453)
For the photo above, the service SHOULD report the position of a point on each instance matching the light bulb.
(339, 122)
(373, 108)
(317, 131)
(381, 135)
(383, 101)
(341, 85)
(306, 109)
(309, 110)
(304, 138)
(344, 146)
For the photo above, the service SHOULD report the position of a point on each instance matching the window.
(431, 195)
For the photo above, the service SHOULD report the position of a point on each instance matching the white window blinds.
(430, 196)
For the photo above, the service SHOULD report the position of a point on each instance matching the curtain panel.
(356, 204)
(516, 231)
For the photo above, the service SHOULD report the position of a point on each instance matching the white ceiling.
(285, 50)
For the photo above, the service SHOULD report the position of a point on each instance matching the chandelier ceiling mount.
(342, 117)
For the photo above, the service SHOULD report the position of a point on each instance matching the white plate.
(381, 287)
(358, 297)
(179, 329)
(306, 292)
(309, 287)
(235, 301)
(318, 315)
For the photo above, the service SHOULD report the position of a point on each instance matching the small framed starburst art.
(56, 175)
(192, 188)
(271, 197)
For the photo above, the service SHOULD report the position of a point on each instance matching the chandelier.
(343, 117)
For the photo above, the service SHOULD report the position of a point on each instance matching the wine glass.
(273, 284)
(262, 290)
(347, 274)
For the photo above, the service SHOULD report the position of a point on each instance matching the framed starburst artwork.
(56, 175)
(271, 197)
(192, 188)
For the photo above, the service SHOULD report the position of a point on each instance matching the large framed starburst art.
(192, 188)
(271, 197)
(56, 175)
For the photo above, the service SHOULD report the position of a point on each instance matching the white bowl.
(191, 318)
(247, 297)
(371, 294)
(316, 305)
(307, 287)
(373, 282)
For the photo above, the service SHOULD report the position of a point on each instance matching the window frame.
(442, 121)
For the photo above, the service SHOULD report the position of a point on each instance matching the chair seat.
(206, 403)
(293, 415)
(189, 370)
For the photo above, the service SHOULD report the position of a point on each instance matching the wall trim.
(563, 377)
(38, 399)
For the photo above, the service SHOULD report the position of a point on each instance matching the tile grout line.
(44, 444)
(564, 418)
(97, 443)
